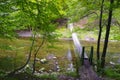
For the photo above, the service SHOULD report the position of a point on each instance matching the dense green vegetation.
(96, 22)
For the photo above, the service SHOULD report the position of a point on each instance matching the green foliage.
(38, 15)
(71, 74)
(10, 78)
(52, 76)
(34, 14)
(113, 72)
(115, 33)
(6, 21)
(4, 63)
(2, 74)
(5, 47)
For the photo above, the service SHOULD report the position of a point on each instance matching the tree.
(107, 34)
(37, 15)
(99, 36)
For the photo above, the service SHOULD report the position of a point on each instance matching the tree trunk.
(34, 61)
(107, 34)
(100, 31)
(99, 36)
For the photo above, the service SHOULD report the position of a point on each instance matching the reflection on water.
(69, 55)
(70, 64)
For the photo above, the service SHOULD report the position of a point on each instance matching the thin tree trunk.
(99, 36)
(107, 34)
(34, 61)
(18, 69)
(100, 31)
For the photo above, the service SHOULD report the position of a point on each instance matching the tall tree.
(99, 36)
(37, 15)
(100, 31)
(107, 34)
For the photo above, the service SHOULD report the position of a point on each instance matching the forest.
(59, 39)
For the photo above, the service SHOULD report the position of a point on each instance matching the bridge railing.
(90, 57)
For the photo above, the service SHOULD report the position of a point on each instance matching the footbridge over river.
(86, 71)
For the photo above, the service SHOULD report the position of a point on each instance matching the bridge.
(86, 71)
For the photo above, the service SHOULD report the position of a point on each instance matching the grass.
(16, 56)
(113, 72)
(13, 53)
(72, 74)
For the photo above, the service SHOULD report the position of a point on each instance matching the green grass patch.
(13, 53)
(113, 72)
